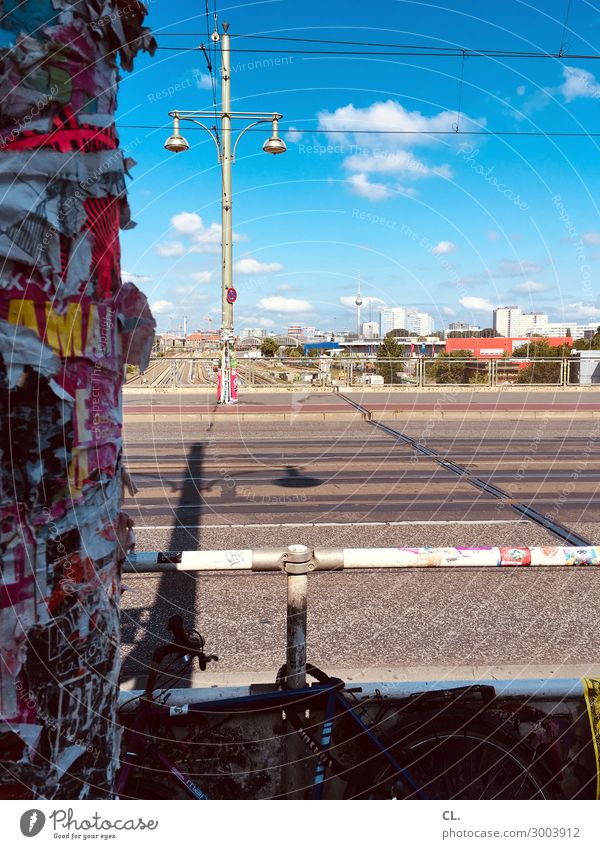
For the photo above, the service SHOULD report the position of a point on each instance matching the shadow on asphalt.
(145, 627)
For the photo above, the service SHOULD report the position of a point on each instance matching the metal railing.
(306, 373)
(297, 561)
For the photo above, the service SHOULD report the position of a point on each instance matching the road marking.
(337, 524)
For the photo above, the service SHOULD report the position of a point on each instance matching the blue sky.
(453, 225)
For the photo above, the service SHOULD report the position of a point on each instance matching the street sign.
(231, 295)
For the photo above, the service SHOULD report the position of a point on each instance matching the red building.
(499, 346)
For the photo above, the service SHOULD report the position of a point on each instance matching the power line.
(357, 131)
(477, 54)
(414, 49)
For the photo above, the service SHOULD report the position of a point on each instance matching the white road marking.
(336, 524)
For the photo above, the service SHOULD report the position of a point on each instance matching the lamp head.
(274, 144)
(176, 142)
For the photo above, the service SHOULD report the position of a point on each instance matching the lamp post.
(176, 143)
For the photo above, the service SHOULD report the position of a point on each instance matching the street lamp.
(176, 143)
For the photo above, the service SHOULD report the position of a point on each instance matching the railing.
(306, 373)
(298, 560)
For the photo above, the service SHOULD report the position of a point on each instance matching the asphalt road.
(234, 484)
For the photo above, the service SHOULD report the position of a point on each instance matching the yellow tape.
(591, 690)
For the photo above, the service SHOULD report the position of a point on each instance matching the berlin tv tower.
(358, 303)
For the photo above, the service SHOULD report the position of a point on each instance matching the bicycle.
(430, 745)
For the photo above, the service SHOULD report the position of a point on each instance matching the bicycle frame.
(330, 695)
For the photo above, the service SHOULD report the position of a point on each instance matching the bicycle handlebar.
(187, 642)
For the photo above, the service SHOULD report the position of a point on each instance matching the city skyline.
(457, 224)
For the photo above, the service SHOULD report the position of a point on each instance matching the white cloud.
(138, 279)
(381, 117)
(205, 240)
(293, 135)
(529, 286)
(448, 311)
(591, 238)
(578, 83)
(350, 301)
(515, 268)
(443, 248)
(201, 276)
(277, 303)
(161, 307)
(249, 265)
(521, 89)
(187, 223)
(581, 310)
(170, 249)
(493, 235)
(393, 162)
(364, 188)
(202, 80)
(476, 304)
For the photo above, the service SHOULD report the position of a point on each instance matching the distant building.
(295, 330)
(420, 323)
(370, 330)
(533, 322)
(497, 346)
(463, 326)
(507, 321)
(258, 332)
(391, 318)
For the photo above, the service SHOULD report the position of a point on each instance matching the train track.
(564, 533)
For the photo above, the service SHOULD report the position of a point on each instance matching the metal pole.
(224, 396)
(297, 561)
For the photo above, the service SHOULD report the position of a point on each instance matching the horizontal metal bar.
(332, 559)
(539, 688)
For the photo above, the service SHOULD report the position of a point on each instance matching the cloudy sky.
(454, 224)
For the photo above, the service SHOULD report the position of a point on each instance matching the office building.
(370, 330)
(419, 323)
(533, 322)
(507, 321)
(392, 318)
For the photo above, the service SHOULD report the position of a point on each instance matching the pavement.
(226, 483)
(173, 405)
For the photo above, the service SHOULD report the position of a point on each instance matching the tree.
(487, 333)
(446, 369)
(269, 348)
(401, 331)
(65, 338)
(388, 353)
(295, 352)
(591, 344)
(546, 371)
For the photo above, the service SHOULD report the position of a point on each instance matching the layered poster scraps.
(67, 328)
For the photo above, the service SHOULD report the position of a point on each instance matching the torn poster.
(67, 326)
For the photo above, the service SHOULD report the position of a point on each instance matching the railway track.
(564, 533)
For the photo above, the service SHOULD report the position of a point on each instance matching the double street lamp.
(176, 143)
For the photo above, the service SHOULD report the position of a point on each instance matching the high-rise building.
(419, 323)
(533, 322)
(370, 329)
(392, 318)
(463, 325)
(507, 321)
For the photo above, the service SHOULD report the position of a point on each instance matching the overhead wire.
(427, 54)
(358, 131)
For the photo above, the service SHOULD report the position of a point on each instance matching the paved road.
(234, 484)
(426, 400)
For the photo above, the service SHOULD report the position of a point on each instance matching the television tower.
(358, 303)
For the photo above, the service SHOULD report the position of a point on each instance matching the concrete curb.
(509, 672)
(381, 415)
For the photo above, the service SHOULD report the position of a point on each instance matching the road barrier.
(367, 371)
(557, 713)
